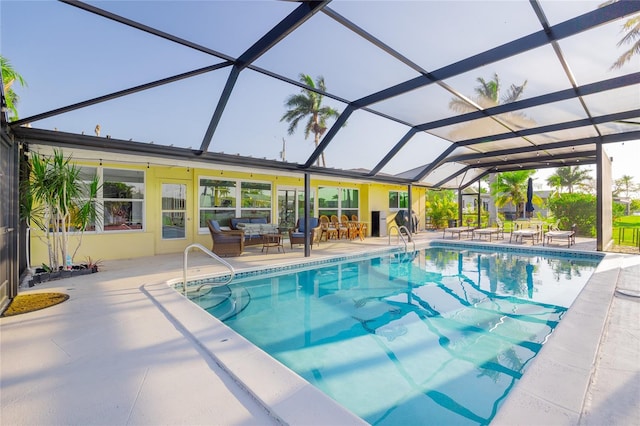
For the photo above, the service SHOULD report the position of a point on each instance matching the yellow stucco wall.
(148, 242)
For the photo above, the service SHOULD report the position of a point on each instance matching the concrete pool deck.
(125, 349)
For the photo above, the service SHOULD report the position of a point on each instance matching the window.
(349, 202)
(217, 201)
(122, 199)
(398, 200)
(222, 200)
(338, 201)
(120, 202)
(256, 200)
(87, 175)
(327, 201)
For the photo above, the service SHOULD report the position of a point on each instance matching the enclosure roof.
(208, 81)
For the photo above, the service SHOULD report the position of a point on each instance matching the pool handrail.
(399, 234)
(212, 255)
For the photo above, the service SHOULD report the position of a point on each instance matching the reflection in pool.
(438, 336)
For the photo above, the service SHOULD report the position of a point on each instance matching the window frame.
(400, 196)
(236, 209)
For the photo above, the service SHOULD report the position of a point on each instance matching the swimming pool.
(436, 336)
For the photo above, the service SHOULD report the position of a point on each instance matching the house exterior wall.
(148, 241)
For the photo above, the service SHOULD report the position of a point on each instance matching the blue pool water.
(439, 336)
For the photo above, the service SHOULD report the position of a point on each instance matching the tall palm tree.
(625, 186)
(308, 104)
(10, 76)
(488, 95)
(571, 177)
(632, 29)
(511, 187)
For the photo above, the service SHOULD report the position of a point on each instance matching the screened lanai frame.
(206, 82)
(394, 126)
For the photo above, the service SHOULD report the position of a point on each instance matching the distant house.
(470, 202)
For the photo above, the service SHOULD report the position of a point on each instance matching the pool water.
(438, 336)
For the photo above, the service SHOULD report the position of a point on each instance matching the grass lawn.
(626, 230)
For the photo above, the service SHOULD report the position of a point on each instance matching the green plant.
(511, 187)
(10, 76)
(308, 103)
(440, 206)
(576, 208)
(64, 203)
(93, 264)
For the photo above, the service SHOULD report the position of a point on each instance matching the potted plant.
(64, 204)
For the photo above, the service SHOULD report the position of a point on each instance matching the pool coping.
(290, 399)
(287, 397)
(540, 397)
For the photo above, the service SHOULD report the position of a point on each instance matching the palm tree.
(308, 103)
(570, 177)
(10, 76)
(511, 187)
(488, 95)
(625, 186)
(632, 36)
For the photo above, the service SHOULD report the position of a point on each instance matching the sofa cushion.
(257, 229)
(259, 220)
(236, 220)
(215, 225)
(313, 223)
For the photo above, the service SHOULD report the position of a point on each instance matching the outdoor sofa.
(254, 228)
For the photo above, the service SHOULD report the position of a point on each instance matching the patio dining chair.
(327, 229)
(341, 227)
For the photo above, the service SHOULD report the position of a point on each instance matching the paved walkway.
(125, 349)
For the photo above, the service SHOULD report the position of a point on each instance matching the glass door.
(175, 217)
(287, 207)
(291, 205)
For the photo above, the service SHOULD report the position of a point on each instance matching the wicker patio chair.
(296, 236)
(225, 243)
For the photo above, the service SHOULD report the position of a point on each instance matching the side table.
(272, 240)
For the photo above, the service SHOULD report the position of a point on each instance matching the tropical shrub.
(575, 208)
(65, 204)
(440, 206)
(619, 209)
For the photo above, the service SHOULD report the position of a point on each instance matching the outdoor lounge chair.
(296, 236)
(225, 243)
(556, 233)
(533, 233)
(458, 230)
(498, 231)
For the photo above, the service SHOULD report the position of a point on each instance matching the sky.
(624, 163)
(67, 55)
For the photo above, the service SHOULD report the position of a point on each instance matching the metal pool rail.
(211, 254)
